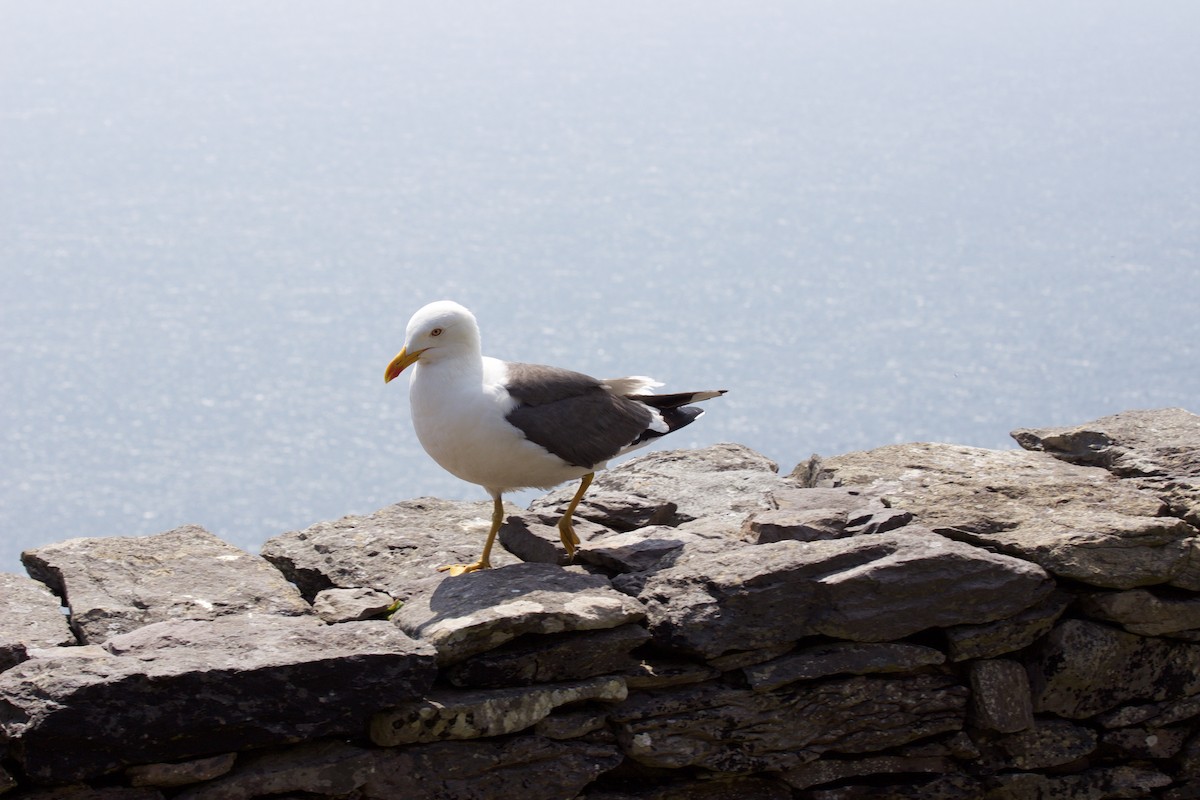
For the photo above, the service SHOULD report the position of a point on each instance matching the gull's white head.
(440, 330)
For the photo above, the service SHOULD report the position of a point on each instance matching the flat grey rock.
(551, 657)
(955, 786)
(831, 770)
(808, 525)
(1189, 765)
(116, 584)
(1136, 744)
(866, 588)
(1077, 522)
(1048, 743)
(1008, 635)
(1142, 612)
(785, 728)
(659, 673)
(351, 605)
(532, 538)
(524, 767)
(1000, 697)
(181, 773)
(642, 549)
(480, 611)
(1155, 715)
(326, 767)
(631, 558)
(671, 487)
(1157, 443)
(1083, 668)
(456, 715)
(84, 792)
(79, 651)
(388, 551)
(31, 618)
(571, 724)
(840, 658)
(710, 787)
(812, 514)
(957, 744)
(189, 689)
(1124, 781)
(1157, 450)
(741, 659)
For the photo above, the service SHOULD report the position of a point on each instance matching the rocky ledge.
(922, 620)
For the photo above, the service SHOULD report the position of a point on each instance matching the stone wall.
(924, 621)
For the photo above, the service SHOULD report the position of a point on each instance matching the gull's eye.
(436, 332)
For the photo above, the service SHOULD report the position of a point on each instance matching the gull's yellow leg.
(566, 531)
(483, 562)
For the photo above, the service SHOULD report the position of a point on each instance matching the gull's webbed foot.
(461, 569)
(566, 531)
(570, 540)
(483, 563)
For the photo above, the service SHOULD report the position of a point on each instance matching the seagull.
(506, 425)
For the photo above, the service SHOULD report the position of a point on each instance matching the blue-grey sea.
(872, 222)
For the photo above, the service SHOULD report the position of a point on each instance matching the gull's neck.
(461, 368)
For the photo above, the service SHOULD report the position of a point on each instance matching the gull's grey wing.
(572, 415)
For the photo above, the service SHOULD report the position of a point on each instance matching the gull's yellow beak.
(402, 361)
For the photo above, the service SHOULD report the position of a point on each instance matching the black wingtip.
(663, 401)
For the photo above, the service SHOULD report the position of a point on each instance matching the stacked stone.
(925, 621)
